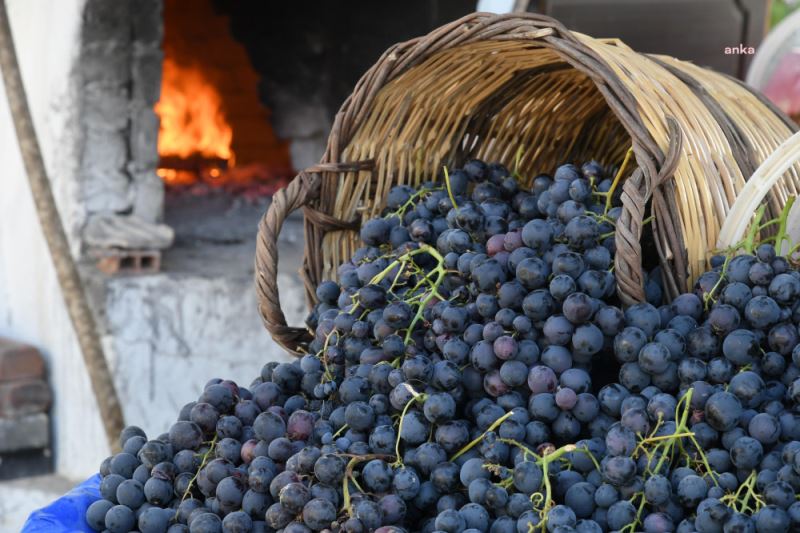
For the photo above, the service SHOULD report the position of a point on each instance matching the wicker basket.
(491, 86)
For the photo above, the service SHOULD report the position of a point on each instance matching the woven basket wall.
(491, 87)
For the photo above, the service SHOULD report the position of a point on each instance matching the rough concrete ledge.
(168, 334)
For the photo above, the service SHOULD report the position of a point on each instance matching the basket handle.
(756, 189)
(645, 183)
(301, 191)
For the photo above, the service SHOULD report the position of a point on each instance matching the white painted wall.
(31, 308)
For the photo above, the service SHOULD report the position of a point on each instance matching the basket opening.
(512, 102)
(543, 118)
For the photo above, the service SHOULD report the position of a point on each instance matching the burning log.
(197, 168)
(196, 163)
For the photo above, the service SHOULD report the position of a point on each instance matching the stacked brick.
(24, 399)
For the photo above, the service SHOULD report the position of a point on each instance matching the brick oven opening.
(219, 157)
(215, 131)
(197, 111)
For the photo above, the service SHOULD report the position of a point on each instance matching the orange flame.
(192, 117)
(215, 131)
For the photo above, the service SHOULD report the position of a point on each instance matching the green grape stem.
(665, 445)
(439, 271)
(416, 397)
(614, 184)
(400, 211)
(517, 161)
(783, 220)
(525, 450)
(739, 501)
(546, 499)
(709, 296)
(449, 189)
(211, 447)
(749, 242)
(433, 291)
(478, 439)
(631, 528)
(340, 430)
(348, 476)
(506, 483)
(327, 374)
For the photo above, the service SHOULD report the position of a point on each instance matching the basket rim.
(313, 188)
(305, 189)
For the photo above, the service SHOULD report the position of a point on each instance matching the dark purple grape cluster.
(473, 371)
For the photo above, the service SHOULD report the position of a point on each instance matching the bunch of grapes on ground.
(472, 370)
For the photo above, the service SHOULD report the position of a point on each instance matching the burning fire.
(215, 130)
(193, 124)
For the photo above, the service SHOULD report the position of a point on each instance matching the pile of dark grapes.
(473, 371)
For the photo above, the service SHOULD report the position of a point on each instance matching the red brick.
(114, 261)
(24, 397)
(19, 361)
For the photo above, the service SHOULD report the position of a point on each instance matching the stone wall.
(119, 74)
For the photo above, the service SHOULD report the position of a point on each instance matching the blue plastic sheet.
(66, 514)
